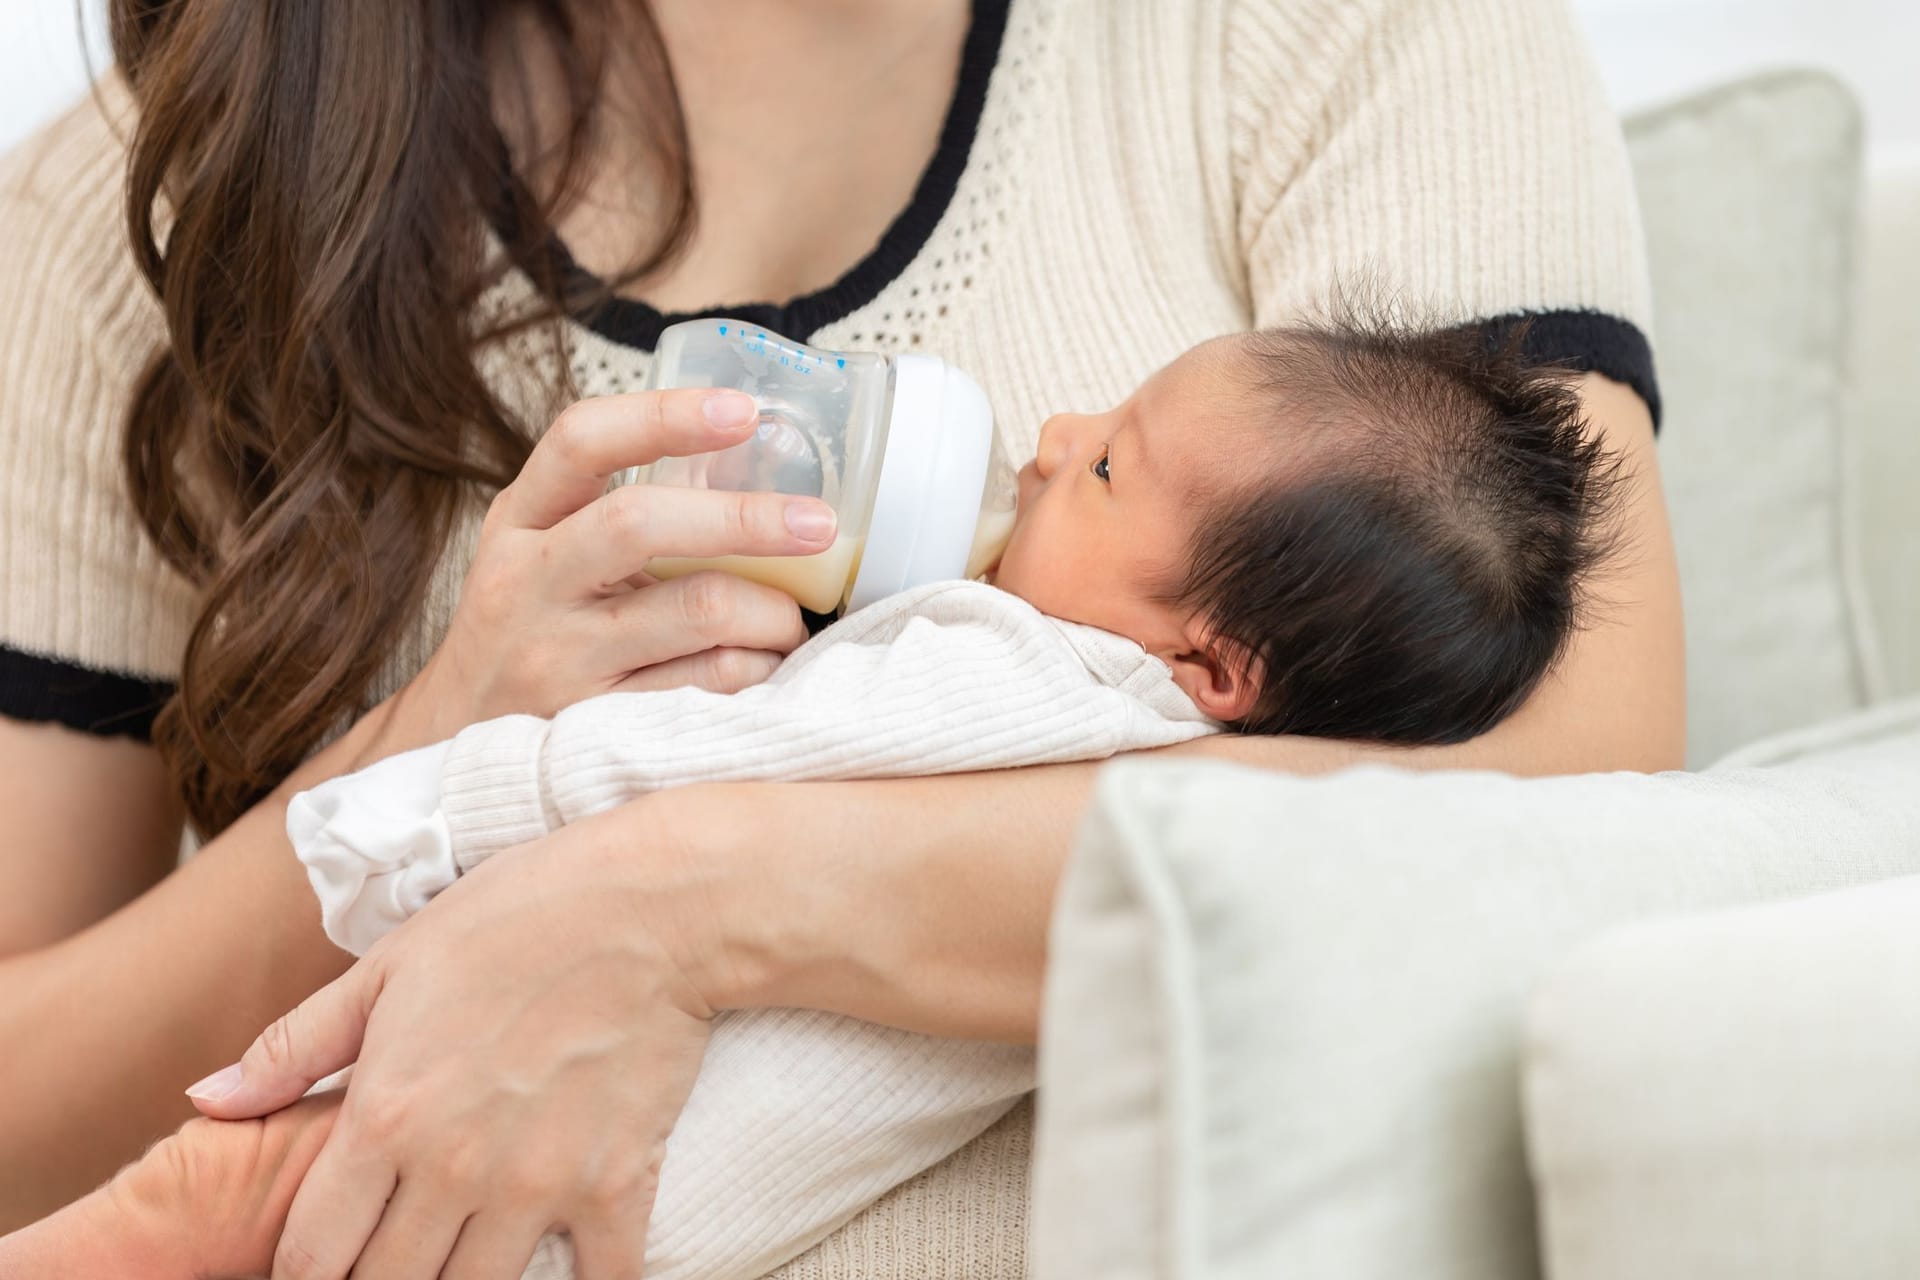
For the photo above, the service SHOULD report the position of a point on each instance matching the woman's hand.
(556, 607)
(524, 1046)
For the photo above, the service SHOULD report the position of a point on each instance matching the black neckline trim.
(103, 703)
(633, 323)
(1589, 342)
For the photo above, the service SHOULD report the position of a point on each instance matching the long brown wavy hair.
(309, 193)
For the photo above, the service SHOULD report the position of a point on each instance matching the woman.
(258, 496)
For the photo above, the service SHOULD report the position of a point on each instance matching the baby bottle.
(902, 447)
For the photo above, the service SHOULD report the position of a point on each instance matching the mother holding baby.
(308, 471)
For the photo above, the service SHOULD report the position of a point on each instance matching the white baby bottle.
(902, 447)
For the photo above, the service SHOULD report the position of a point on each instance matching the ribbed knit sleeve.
(92, 622)
(1458, 156)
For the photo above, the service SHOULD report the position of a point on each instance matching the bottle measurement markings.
(801, 362)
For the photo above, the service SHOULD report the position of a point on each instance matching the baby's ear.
(1221, 676)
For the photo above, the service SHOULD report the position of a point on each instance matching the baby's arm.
(956, 677)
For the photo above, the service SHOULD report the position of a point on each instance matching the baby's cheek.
(1015, 574)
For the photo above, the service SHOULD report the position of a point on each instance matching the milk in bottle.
(902, 447)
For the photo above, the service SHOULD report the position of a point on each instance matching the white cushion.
(1282, 1015)
(1862, 729)
(1750, 198)
(1732, 1096)
(1883, 420)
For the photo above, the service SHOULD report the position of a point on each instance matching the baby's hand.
(209, 1201)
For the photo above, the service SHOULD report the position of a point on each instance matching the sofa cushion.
(1883, 420)
(1282, 1015)
(1750, 196)
(1730, 1096)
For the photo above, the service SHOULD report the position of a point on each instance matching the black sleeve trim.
(104, 703)
(1589, 341)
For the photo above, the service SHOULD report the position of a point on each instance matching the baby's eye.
(1100, 467)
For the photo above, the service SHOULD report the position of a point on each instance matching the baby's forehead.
(1214, 420)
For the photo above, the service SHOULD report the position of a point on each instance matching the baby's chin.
(995, 575)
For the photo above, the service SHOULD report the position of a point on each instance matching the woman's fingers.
(612, 1247)
(415, 1237)
(687, 616)
(335, 1211)
(715, 670)
(302, 1048)
(570, 464)
(613, 537)
(494, 1246)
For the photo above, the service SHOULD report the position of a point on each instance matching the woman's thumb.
(302, 1048)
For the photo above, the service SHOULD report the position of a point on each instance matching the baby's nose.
(1053, 445)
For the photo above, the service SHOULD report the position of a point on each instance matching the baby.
(1348, 530)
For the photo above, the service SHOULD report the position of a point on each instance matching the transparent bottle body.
(822, 434)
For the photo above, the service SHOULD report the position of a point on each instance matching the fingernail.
(810, 520)
(729, 410)
(216, 1086)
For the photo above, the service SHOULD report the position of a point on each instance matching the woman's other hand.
(524, 1046)
(556, 606)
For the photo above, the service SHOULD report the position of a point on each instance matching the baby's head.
(1347, 530)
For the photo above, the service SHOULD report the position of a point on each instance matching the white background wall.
(41, 65)
(1648, 50)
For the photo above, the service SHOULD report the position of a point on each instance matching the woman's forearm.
(920, 903)
(105, 1029)
(915, 902)
(924, 903)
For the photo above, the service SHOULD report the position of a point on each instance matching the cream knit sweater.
(1141, 175)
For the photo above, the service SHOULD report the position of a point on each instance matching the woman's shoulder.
(84, 593)
(60, 190)
(76, 304)
(1458, 156)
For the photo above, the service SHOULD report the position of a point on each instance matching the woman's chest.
(1080, 237)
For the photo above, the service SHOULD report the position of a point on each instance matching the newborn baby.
(1346, 531)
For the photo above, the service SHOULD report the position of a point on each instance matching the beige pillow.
(1731, 1096)
(1282, 1022)
(1750, 199)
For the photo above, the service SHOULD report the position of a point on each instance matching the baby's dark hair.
(1426, 557)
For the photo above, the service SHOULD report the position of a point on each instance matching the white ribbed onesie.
(798, 1120)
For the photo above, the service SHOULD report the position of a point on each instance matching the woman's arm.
(104, 1029)
(51, 781)
(966, 865)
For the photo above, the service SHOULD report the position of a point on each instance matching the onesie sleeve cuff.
(375, 845)
(493, 790)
